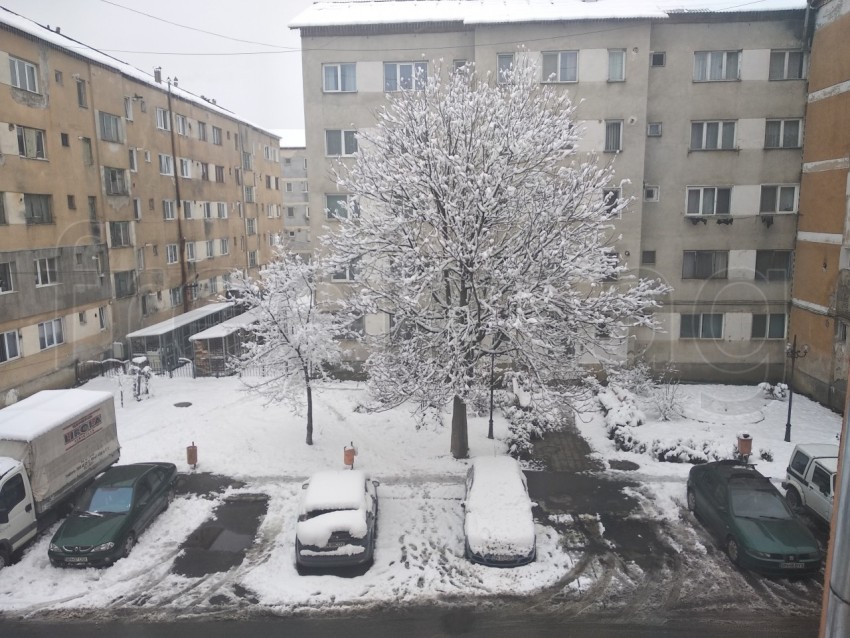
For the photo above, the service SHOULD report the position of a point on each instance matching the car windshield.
(315, 513)
(749, 503)
(108, 500)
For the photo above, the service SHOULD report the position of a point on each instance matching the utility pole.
(181, 240)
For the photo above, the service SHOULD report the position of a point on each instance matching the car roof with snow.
(818, 450)
(334, 490)
(498, 482)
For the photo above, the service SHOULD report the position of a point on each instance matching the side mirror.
(4, 516)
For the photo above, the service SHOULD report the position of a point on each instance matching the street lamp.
(792, 353)
(490, 427)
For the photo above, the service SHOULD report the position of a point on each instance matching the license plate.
(793, 565)
(77, 559)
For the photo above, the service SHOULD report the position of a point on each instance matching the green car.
(748, 514)
(111, 514)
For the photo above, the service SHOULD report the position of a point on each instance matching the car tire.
(733, 551)
(129, 542)
(5, 559)
(792, 497)
(692, 501)
(169, 498)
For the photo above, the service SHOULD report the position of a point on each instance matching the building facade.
(124, 200)
(700, 112)
(296, 193)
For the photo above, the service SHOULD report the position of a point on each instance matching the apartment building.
(699, 111)
(293, 160)
(124, 200)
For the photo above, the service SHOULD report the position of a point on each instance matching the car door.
(145, 503)
(819, 498)
(13, 499)
(715, 511)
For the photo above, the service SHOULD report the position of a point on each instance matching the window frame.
(344, 137)
(7, 275)
(39, 137)
(30, 75)
(115, 181)
(172, 254)
(202, 131)
(695, 266)
(8, 338)
(559, 66)
(722, 126)
(45, 212)
(181, 124)
(330, 213)
(127, 285)
(783, 123)
(338, 77)
(619, 145)
(109, 127)
(786, 65)
(703, 331)
(767, 272)
(702, 190)
(216, 135)
(166, 164)
(417, 80)
(55, 338)
(777, 199)
(767, 319)
(622, 55)
(120, 231)
(724, 66)
(163, 119)
(169, 212)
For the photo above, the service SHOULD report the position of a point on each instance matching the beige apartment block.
(700, 114)
(124, 200)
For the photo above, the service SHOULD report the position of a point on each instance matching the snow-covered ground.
(419, 555)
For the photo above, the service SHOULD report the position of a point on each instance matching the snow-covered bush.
(685, 451)
(766, 455)
(620, 407)
(778, 391)
(527, 424)
(636, 377)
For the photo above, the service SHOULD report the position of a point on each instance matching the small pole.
(792, 353)
(490, 427)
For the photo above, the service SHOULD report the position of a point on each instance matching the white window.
(6, 281)
(171, 254)
(166, 165)
(31, 143)
(701, 326)
(213, 285)
(137, 209)
(187, 209)
(252, 259)
(787, 65)
(705, 264)
(134, 164)
(340, 206)
(210, 248)
(119, 233)
(115, 181)
(110, 127)
(339, 78)
(175, 296)
(346, 273)
(616, 65)
(168, 209)
(24, 75)
(101, 317)
(504, 66)
(224, 246)
(340, 142)
(653, 129)
(9, 346)
(716, 66)
(249, 194)
(783, 133)
(202, 131)
(50, 334)
(190, 251)
(163, 119)
(712, 136)
(778, 199)
(45, 271)
(180, 124)
(708, 200)
(185, 167)
(613, 136)
(560, 66)
(251, 226)
(216, 135)
(222, 210)
(404, 76)
(207, 208)
(288, 187)
(128, 108)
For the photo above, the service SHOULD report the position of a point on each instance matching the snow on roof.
(7, 464)
(168, 325)
(818, 449)
(471, 12)
(28, 419)
(334, 490)
(81, 49)
(291, 137)
(226, 328)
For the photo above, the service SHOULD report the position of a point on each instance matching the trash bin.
(348, 454)
(192, 455)
(745, 444)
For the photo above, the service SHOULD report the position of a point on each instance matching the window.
(190, 251)
(560, 66)
(116, 184)
(701, 326)
(613, 136)
(134, 165)
(6, 282)
(57, 75)
(168, 209)
(404, 76)
(339, 206)
(13, 493)
(88, 158)
(202, 131)
(213, 285)
(288, 187)
(778, 199)
(82, 318)
(125, 283)
(783, 133)
(787, 65)
(249, 194)
(712, 136)
(205, 171)
(252, 259)
(3, 220)
(610, 198)
(82, 99)
(768, 326)
(224, 246)
(653, 129)
(72, 202)
(175, 296)
(9, 346)
(24, 75)
(716, 66)
(339, 142)
(148, 157)
(119, 233)
(616, 65)
(708, 200)
(657, 59)
(163, 119)
(185, 167)
(705, 264)
(216, 135)
(222, 210)
(290, 211)
(66, 141)
(210, 248)
(137, 209)
(773, 265)
(128, 108)
(207, 208)
(31, 143)
(166, 165)
(651, 193)
(187, 209)
(219, 174)
(339, 78)
(171, 254)
(504, 66)
(38, 209)
(247, 161)
(346, 273)
(50, 334)
(180, 124)
(110, 127)
(647, 257)
(251, 226)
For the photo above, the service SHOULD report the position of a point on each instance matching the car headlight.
(758, 554)
(54, 547)
(104, 548)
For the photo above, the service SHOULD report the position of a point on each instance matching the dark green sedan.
(111, 514)
(748, 514)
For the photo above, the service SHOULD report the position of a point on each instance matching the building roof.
(80, 49)
(164, 327)
(479, 12)
(227, 328)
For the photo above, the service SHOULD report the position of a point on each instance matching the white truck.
(52, 445)
(810, 478)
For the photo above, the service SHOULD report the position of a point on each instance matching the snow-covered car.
(498, 524)
(337, 521)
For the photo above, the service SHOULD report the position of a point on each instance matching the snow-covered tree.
(483, 232)
(295, 337)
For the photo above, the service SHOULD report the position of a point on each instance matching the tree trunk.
(309, 414)
(460, 440)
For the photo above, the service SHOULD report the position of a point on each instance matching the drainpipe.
(180, 238)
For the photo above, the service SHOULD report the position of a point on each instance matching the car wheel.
(169, 499)
(4, 559)
(792, 497)
(692, 501)
(733, 551)
(128, 545)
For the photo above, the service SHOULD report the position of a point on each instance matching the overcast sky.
(259, 80)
